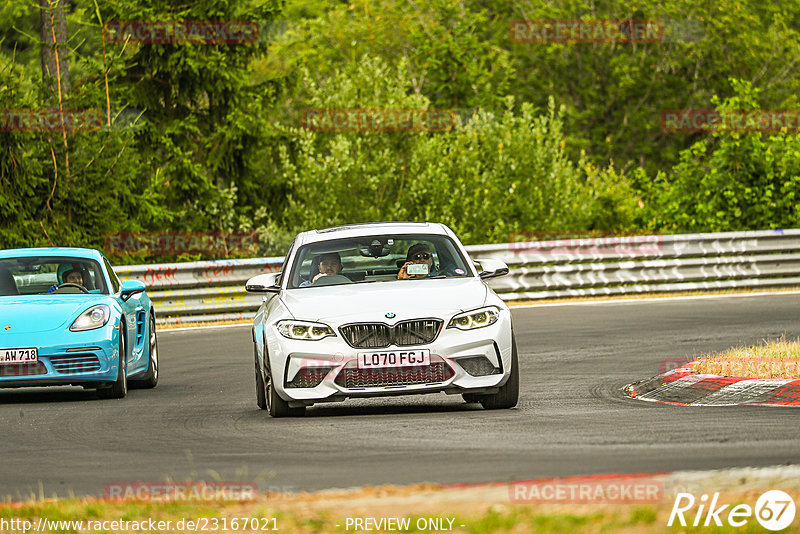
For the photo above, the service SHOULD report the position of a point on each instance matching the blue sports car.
(66, 319)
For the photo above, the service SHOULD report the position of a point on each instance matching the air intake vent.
(309, 377)
(75, 363)
(355, 378)
(478, 366)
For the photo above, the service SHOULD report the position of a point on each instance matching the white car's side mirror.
(491, 268)
(263, 283)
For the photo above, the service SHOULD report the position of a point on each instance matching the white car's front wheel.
(261, 397)
(268, 399)
(508, 396)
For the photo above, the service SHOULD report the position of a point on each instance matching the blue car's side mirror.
(130, 288)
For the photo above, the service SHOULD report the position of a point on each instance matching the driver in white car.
(329, 264)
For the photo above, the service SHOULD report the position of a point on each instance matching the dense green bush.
(490, 176)
(731, 180)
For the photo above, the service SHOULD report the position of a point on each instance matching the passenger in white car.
(417, 253)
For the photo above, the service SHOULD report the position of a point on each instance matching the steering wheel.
(71, 285)
(449, 270)
(331, 280)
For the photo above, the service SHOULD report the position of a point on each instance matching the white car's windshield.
(377, 259)
(49, 275)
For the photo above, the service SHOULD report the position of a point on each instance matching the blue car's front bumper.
(87, 359)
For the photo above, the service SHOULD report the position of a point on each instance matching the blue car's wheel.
(118, 389)
(149, 379)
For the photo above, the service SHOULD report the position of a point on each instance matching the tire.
(118, 389)
(261, 397)
(508, 396)
(275, 405)
(149, 379)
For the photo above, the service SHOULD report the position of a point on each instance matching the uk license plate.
(394, 358)
(25, 355)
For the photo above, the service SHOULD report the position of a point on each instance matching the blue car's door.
(135, 324)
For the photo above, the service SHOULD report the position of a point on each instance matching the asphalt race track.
(202, 422)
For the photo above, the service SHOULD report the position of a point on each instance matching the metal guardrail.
(214, 290)
(202, 291)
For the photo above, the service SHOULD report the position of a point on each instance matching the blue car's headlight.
(475, 318)
(304, 330)
(94, 317)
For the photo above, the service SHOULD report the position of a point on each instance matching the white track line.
(742, 392)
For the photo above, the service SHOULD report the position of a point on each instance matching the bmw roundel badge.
(390, 315)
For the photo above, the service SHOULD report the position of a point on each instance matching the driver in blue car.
(329, 265)
(71, 276)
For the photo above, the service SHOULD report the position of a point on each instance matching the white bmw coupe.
(378, 309)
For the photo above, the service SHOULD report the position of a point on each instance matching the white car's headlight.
(94, 317)
(475, 319)
(304, 330)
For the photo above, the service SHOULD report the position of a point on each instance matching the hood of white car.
(406, 299)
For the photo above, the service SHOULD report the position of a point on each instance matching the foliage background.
(551, 137)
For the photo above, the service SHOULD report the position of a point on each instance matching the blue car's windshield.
(50, 275)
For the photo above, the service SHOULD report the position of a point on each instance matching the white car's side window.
(285, 263)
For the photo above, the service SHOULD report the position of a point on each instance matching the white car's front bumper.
(305, 372)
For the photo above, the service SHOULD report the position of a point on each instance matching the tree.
(55, 66)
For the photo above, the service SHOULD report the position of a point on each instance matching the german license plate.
(394, 358)
(18, 355)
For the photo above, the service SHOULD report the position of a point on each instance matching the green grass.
(770, 359)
